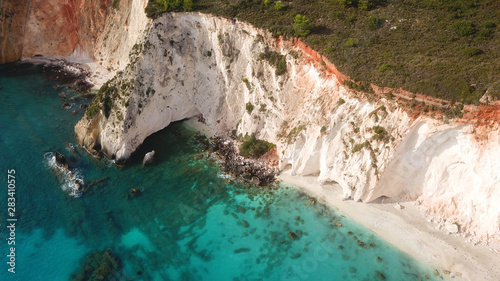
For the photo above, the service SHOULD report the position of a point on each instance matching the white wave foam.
(68, 178)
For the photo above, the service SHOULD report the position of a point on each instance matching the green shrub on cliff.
(253, 147)
(276, 59)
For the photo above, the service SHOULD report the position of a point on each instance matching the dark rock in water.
(149, 158)
(241, 250)
(83, 106)
(61, 160)
(134, 192)
(66, 105)
(79, 186)
(82, 85)
(255, 180)
(245, 223)
(292, 235)
(98, 265)
(380, 275)
(97, 182)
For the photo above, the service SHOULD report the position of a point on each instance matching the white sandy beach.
(453, 256)
(409, 231)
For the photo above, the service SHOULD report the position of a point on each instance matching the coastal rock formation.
(193, 64)
(189, 64)
(149, 158)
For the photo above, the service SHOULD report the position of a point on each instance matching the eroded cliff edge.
(190, 64)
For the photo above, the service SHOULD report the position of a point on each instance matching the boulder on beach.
(149, 158)
(452, 228)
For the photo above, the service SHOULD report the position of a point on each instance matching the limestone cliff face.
(79, 27)
(190, 64)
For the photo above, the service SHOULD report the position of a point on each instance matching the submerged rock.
(380, 275)
(241, 250)
(292, 235)
(245, 223)
(149, 158)
(98, 265)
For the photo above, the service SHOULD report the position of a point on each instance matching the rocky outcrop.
(193, 64)
(251, 169)
(149, 158)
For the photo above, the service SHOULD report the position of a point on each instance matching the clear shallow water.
(188, 223)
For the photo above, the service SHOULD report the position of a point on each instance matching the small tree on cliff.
(301, 26)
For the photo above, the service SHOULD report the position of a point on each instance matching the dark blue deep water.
(187, 224)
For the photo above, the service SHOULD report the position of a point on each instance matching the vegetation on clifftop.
(441, 48)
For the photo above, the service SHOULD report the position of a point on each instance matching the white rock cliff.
(190, 64)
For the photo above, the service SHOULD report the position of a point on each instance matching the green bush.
(488, 24)
(380, 133)
(374, 22)
(278, 6)
(187, 5)
(384, 67)
(487, 28)
(365, 4)
(350, 43)
(245, 80)
(280, 67)
(276, 59)
(301, 26)
(249, 107)
(472, 51)
(360, 146)
(465, 28)
(253, 147)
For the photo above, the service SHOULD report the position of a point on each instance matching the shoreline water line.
(403, 225)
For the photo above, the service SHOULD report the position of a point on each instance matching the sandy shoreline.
(453, 256)
(409, 231)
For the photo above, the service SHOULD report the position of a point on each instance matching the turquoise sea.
(188, 223)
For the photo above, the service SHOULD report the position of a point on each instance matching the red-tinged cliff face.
(54, 27)
(51, 28)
